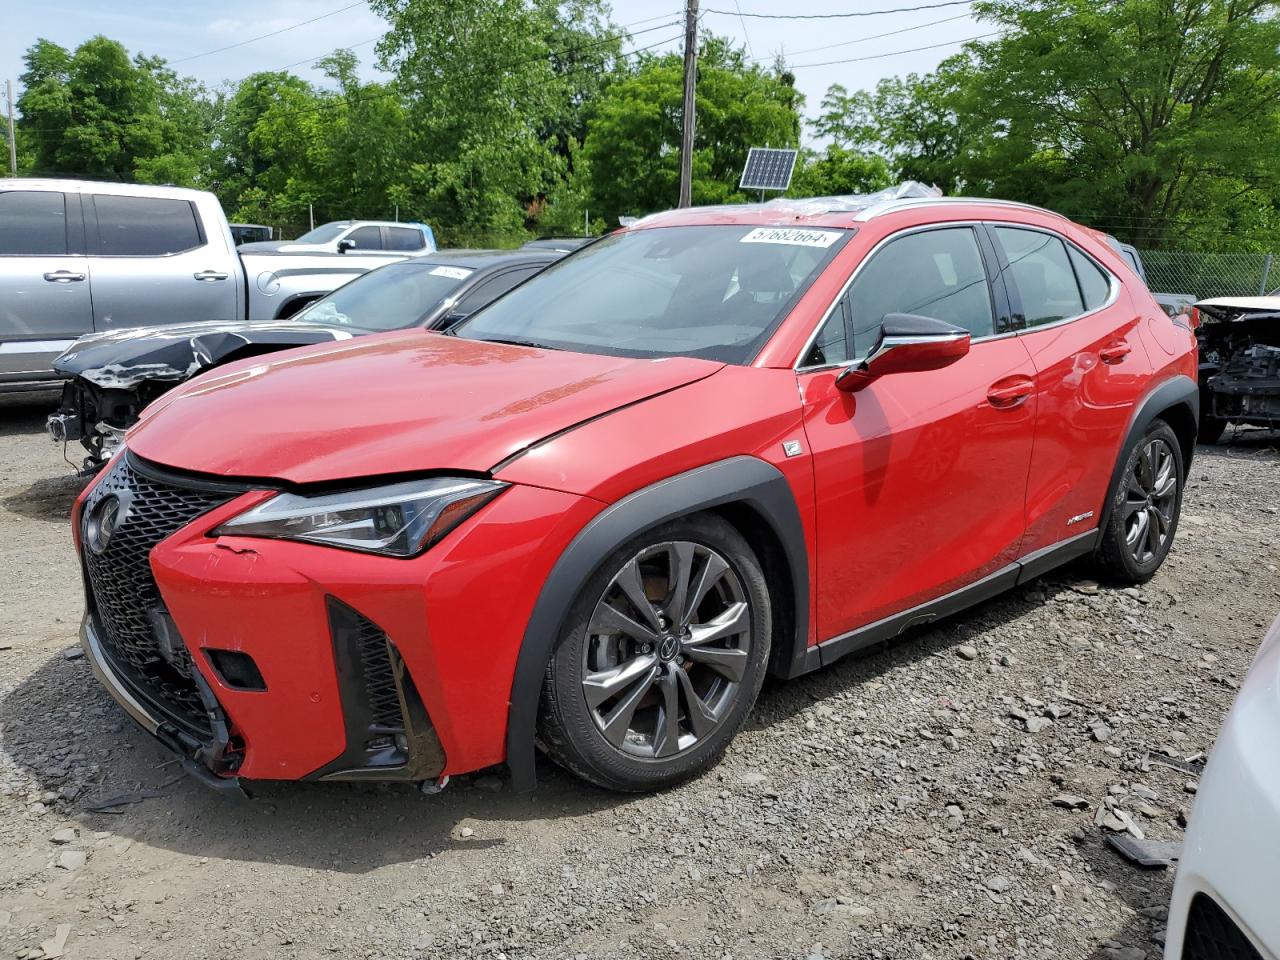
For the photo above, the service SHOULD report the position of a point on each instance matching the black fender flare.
(1179, 390)
(736, 480)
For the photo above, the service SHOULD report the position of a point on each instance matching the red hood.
(392, 403)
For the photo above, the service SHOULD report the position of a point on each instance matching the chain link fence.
(1205, 275)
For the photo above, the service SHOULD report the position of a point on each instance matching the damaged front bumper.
(193, 755)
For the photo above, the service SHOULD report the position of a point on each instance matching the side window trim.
(839, 302)
(1015, 296)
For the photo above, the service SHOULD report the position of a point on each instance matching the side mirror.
(345, 244)
(908, 343)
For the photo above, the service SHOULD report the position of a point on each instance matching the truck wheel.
(661, 658)
(1145, 505)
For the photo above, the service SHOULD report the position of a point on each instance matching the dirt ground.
(898, 805)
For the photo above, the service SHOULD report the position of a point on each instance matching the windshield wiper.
(517, 342)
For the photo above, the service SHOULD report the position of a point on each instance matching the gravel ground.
(901, 804)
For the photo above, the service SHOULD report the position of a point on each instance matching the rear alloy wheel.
(663, 659)
(1144, 507)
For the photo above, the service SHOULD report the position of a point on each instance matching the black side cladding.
(744, 481)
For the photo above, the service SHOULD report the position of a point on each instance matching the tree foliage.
(633, 139)
(1153, 119)
(96, 113)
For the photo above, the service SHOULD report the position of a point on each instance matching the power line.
(274, 33)
(837, 16)
(877, 36)
(893, 53)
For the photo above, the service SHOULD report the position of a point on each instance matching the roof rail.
(904, 203)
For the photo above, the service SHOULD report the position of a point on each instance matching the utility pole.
(13, 143)
(690, 85)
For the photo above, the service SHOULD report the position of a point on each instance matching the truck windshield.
(393, 297)
(715, 292)
(323, 233)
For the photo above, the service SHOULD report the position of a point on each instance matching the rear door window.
(33, 223)
(144, 227)
(404, 238)
(1043, 275)
(366, 238)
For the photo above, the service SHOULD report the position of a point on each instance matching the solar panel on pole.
(767, 169)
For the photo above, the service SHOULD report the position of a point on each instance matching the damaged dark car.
(1239, 363)
(113, 376)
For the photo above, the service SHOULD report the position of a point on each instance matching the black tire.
(1121, 556)
(1211, 429)
(572, 730)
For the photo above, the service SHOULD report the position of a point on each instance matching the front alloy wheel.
(662, 659)
(667, 648)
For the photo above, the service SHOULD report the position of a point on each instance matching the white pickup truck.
(79, 257)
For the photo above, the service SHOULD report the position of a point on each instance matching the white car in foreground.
(1226, 901)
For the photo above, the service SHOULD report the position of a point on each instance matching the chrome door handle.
(1115, 353)
(1010, 392)
(208, 276)
(63, 276)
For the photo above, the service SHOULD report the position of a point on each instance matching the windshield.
(323, 233)
(709, 291)
(395, 296)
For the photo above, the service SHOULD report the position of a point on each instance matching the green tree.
(633, 138)
(96, 113)
(490, 93)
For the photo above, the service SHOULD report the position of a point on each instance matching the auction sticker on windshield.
(453, 273)
(792, 235)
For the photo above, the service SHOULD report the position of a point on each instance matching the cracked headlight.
(397, 520)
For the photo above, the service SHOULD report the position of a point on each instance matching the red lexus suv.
(717, 444)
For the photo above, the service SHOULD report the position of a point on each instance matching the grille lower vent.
(138, 635)
(377, 675)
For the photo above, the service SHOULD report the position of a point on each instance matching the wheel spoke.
(605, 684)
(1132, 505)
(725, 661)
(616, 725)
(666, 735)
(1144, 469)
(680, 558)
(1138, 532)
(1166, 480)
(609, 619)
(631, 583)
(1154, 535)
(1136, 492)
(733, 621)
(701, 719)
(712, 571)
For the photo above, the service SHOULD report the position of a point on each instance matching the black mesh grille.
(375, 669)
(1212, 935)
(136, 630)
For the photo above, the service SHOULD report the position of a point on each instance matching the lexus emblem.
(101, 523)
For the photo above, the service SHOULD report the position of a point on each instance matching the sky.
(191, 35)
